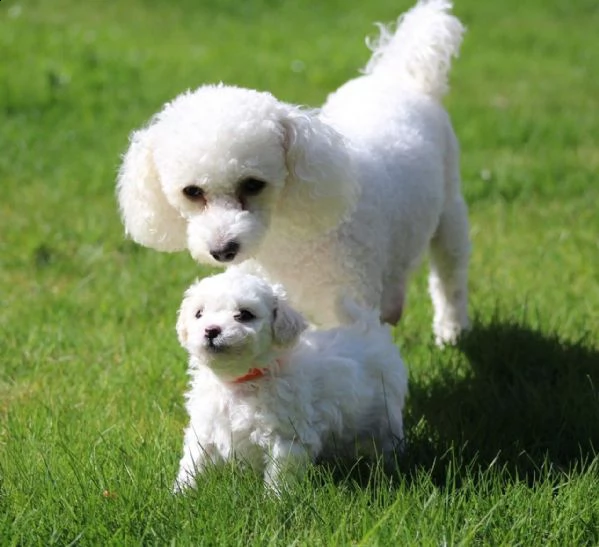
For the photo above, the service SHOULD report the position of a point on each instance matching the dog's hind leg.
(448, 280)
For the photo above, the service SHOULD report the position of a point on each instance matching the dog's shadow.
(517, 398)
(509, 396)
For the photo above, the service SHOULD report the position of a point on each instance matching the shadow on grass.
(515, 399)
(518, 398)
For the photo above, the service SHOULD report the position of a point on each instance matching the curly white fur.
(353, 193)
(330, 392)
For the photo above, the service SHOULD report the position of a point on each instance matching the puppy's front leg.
(287, 462)
(194, 460)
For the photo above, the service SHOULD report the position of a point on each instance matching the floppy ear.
(148, 217)
(182, 325)
(287, 324)
(322, 186)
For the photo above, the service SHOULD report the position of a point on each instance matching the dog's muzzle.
(212, 332)
(226, 253)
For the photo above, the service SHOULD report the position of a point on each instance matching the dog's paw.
(447, 333)
(278, 484)
(183, 482)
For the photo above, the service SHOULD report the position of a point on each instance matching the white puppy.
(345, 199)
(260, 394)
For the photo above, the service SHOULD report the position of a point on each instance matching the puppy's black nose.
(212, 332)
(227, 253)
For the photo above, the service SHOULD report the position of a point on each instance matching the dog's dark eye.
(199, 314)
(193, 192)
(244, 316)
(251, 187)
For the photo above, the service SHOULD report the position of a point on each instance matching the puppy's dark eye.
(251, 187)
(199, 314)
(194, 193)
(244, 316)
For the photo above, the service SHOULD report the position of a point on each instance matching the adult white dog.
(346, 198)
(261, 395)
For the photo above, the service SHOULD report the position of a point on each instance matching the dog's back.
(351, 382)
(392, 115)
(407, 156)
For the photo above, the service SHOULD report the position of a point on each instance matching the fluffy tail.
(419, 52)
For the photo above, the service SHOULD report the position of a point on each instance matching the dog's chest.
(323, 270)
(251, 426)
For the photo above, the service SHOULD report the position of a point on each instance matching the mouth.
(215, 347)
(234, 350)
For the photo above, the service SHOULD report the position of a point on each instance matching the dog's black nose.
(212, 332)
(227, 253)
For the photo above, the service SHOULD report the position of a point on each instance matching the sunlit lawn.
(502, 430)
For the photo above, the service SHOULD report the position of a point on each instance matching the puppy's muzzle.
(212, 342)
(226, 253)
(212, 332)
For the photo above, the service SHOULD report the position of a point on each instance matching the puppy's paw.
(288, 461)
(184, 482)
(277, 483)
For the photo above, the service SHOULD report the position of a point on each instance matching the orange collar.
(252, 374)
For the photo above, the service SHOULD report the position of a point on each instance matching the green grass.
(502, 431)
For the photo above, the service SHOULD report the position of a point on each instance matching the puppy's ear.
(148, 217)
(182, 325)
(322, 186)
(287, 324)
(186, 311)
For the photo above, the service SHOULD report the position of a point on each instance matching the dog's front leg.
(196, 456)
(286, 463)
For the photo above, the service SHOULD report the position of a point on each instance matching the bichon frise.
(266, 393)
(342, 199)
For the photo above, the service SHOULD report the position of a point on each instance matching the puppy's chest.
(253, 422)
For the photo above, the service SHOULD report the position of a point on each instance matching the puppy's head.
(217, 167)
(233, 321)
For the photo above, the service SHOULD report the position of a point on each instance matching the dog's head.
(233, 321)
(216, 167)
